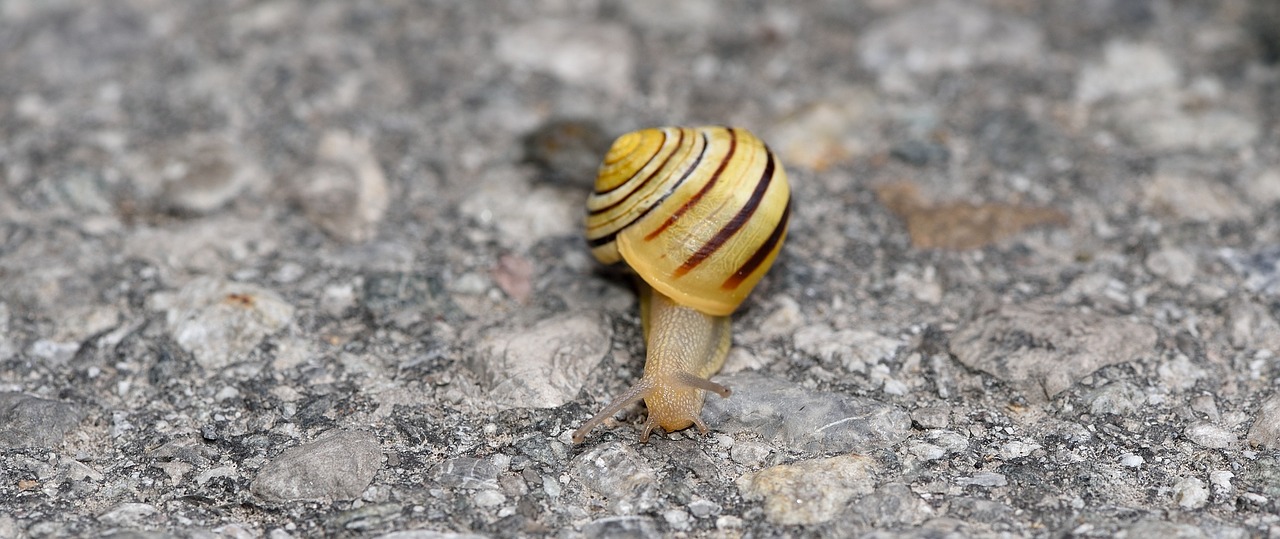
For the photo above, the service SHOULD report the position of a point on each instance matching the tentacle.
(691, 380)
(638, 392)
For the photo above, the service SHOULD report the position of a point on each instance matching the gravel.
(315, 269)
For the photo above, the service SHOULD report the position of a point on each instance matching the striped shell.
(699, 213)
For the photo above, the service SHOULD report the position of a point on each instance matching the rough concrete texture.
(314, 268)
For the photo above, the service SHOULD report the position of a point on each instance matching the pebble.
(1043, 350)
(1174, 265)
(1127, 69)
(676, 518)
(543, 366)
(950, 36)
(27, 421)
(1264, 188)
(488, 498)
(636, 527)
(468, 472)
(1017, 449)
(580, 53)
(704, 508)
(1192, 197)
(1266, 425)
(984, 479)
(809, 492)
(1221, 481)
(203, 172)
(339, 465)
(1130, 460)
(345, 193)
(890, 506)
(1150, 527)
(823, 133)
(430, 534)
(1249, 325)
(932, 417)
(832, 422)
(220, 322)
(1189, 493)
(620, 474)
(1261, 268)
(1207, 434)
(749, 453)
(522, 214)
(1179, 373)
(855, 349)
(1116, 398)
(129, 514)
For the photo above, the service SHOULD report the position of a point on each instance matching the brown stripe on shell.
(693, 200)
(735, 223)
(761, 254)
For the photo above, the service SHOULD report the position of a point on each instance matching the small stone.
(1192, 197)
(809, 492)
(950, 36)
(581, 53)
(543, 366)
(676, 518)
(203, 172)
(750, 453)
(1180, 373)
(1175, 265)
(984, 479)
(468, 472)
(1261, 268)
(129, 514)
(926, 451)
(631, 527)
(821, 134)
(620, 474)
(1221, 481)
(1043, 350)
(855, 349)
(1150, 527)
(430, 534)
(932, 417)
(1266, 426)
(890, 506)
(220, 322)
(27, 421)
(832, 422)
(1251, 326)
(1264, 188)
(522, 214)
(1189, 493)
(345, 192)
(488, 498)
(1127, 70)
(704, 508)
(1130, 460)
(1017, 449)
(1116, 398)
(339, 465)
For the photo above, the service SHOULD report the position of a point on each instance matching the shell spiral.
(698, 213)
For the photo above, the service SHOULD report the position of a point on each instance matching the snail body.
(699, 214)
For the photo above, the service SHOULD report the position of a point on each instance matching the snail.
(699, 215)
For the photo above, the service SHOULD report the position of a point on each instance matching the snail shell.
(699, 214)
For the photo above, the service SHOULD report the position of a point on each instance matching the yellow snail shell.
(699, 214)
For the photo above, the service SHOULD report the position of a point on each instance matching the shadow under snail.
(698, 214)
